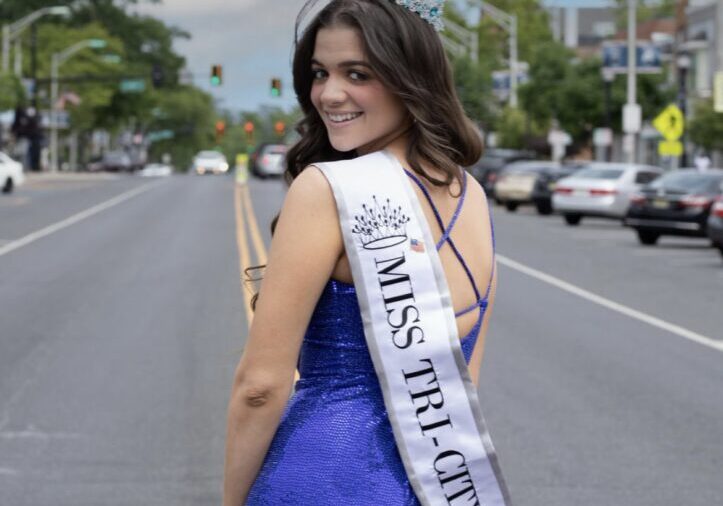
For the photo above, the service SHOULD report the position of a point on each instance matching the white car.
(209, 162)
(156, 170)
(11, 173)
(601, 189)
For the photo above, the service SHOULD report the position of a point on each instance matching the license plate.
(660, 204)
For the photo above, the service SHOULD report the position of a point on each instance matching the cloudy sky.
(252, 39)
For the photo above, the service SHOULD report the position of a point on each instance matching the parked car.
(269, 160)
(678, 203)
(516, 182)
(600, 189)
(11, 173)
(545, 185)
(156, 170)
(715, 224)
(209, 162)
(492, 162)
(114, 161)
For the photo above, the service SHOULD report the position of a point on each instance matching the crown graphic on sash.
(428, 10)
(381, 226)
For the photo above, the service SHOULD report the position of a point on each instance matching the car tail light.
(637, 199)
(602, 193)
(696, 201)
(563, 190)
(265, 160)
(718, 207)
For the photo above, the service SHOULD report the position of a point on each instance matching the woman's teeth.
(341, 118)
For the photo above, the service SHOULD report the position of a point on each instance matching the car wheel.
(573, 219)
(8, 186)
(647, 237)
(511, 206)
(544, 209)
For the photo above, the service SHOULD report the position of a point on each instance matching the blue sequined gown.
(334, 445)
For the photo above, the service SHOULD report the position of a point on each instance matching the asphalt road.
(122, 318)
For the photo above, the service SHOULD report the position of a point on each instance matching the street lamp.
(13, 31)
(57, 60)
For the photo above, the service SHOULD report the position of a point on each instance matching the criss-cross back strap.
(446, 231)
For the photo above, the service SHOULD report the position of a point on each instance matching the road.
(123, 317)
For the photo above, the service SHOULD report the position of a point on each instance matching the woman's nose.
(333, 92)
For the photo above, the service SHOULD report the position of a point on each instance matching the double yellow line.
(245, 216)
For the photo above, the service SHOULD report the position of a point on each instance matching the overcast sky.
(252, 39)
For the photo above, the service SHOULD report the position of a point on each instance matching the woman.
(370, 75)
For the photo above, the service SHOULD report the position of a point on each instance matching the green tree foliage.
(706, 127)
(647, 10)
(12, 93)
(573, 92)
(189, 113)
(54, 38)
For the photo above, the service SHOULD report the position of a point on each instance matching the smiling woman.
(385, 327)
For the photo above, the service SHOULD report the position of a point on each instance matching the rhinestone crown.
(428, 10)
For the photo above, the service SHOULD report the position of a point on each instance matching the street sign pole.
(632, 77)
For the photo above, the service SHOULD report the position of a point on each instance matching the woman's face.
(358, 111)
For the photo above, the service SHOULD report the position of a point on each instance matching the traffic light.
(280, 127)
(157, 75)
(220, 130)
(276, 87)
(249, 129)
(216, 75)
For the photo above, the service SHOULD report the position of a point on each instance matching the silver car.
(601, 189)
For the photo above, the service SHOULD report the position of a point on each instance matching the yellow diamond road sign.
(670, 123)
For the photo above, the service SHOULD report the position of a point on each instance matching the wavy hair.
(408, 58)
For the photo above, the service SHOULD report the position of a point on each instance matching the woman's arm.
(306, 246)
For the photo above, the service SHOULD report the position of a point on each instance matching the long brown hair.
(408, 58)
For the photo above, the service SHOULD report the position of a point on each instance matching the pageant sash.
(410, 329)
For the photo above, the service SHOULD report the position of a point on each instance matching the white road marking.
(39, 234)
(620, 308)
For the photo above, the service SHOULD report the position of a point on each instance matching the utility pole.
(35, 138)
(631, 112)
(682, 64)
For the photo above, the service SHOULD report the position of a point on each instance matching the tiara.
(381, 226)
(428, 10)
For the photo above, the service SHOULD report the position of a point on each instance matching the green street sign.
(132, 86)
(160, 135)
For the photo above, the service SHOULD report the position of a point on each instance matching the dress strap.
(446, 231)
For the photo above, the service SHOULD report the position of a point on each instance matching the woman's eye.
(357, 76)
(318, 73)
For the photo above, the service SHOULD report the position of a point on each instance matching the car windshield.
(209, 154)
(688, 181)
(526, 168)
(599, 173)
(275, 150)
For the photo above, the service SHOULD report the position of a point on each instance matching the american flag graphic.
(416, 245)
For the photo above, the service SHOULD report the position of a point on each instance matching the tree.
(706, 127)
(189, 113)
(12, 93)
(647, 10)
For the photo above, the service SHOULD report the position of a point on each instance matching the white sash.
(411, 332)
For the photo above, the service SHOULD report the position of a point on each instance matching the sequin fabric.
(334, 445)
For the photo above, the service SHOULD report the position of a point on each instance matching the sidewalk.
(70, 177)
